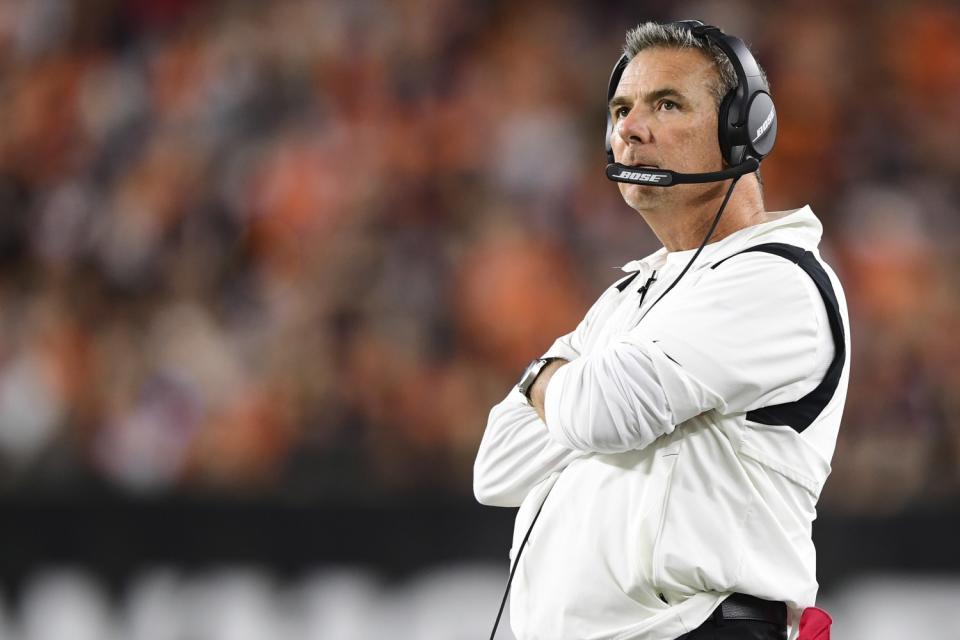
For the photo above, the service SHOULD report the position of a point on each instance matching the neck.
(682, 226)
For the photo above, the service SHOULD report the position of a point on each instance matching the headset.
(747, 121)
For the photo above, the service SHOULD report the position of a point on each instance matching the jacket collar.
(798, 227)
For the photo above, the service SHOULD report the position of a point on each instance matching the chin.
(641, 197)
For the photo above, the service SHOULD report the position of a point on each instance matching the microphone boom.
(666, 178)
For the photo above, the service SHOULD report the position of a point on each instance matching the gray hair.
(652, 34)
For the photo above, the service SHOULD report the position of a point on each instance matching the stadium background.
(265, 267)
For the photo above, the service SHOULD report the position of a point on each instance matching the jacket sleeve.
(516, 452)
(745, 335)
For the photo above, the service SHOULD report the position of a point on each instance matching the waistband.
(740, 606)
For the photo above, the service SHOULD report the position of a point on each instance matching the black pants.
(714, 629)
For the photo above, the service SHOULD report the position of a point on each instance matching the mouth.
(643, 166)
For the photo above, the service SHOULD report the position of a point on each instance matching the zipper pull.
(646, 285)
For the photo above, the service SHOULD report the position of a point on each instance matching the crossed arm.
(724, 350)
(575, 413)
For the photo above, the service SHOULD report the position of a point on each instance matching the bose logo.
(643, 177)
(762, 129)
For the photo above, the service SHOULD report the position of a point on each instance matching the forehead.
(690, 70)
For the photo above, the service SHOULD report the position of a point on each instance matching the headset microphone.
(665, 178)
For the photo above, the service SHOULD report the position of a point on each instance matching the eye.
(668, 105)
(620, 112)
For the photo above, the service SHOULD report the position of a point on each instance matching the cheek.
(695, 135)
(711, 137)
(699, 143)
(616, 142)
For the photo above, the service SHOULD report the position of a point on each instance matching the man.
(684, 429)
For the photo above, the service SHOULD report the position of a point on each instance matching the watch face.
(529, 375)
(531, 369)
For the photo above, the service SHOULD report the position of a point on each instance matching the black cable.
(516, 562)
(706, 239)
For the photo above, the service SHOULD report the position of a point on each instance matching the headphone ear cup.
(761, 127)
(612, 84)
(610, 159)
(733, 154)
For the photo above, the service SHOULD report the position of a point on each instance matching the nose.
(634, 128)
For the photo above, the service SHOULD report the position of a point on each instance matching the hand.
(538, 392)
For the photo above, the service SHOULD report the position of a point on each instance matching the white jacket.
(663, 497)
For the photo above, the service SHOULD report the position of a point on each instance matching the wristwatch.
(530, 375)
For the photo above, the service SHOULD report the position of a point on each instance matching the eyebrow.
(653, 96)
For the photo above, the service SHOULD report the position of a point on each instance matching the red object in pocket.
(815, 624)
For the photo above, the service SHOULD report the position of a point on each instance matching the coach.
(672, 448)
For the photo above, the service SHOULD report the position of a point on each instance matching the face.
(665, 115)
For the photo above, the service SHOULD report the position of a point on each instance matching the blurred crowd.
(302, 247)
